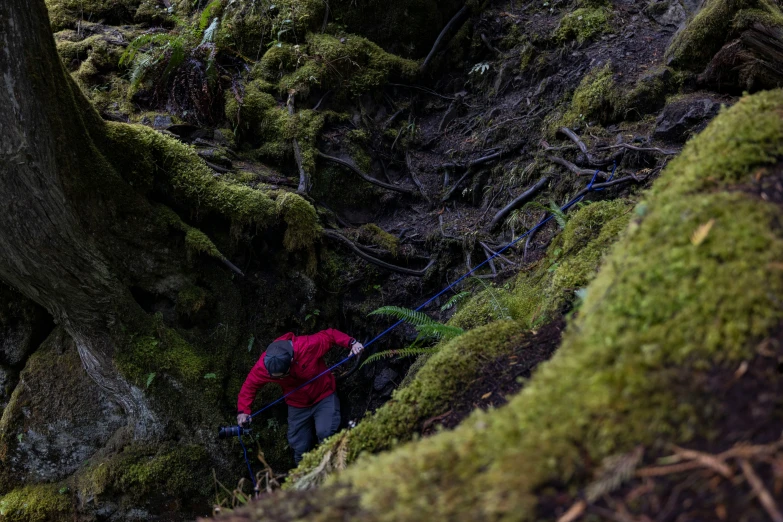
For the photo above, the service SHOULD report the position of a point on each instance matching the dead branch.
(517, 202)
(472, 163)
(441, 40)
(660, 471)
(573, 168)
(489, 260)
(304, 179)
(453, 188)
(350, 166)
(500, 256)
(640, 149)
(370, 259)
(232, 266)
(761, 492)
(708, 461)
(574, 512)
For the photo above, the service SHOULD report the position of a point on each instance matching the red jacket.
(308, 362)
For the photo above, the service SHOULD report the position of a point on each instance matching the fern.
(454, 300)
(405, 314)
(559, 215)
(209, 32)
(501, 311)
(410, 351)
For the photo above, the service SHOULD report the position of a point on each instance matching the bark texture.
(47, 163)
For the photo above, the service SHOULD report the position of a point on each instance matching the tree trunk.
(49, 206)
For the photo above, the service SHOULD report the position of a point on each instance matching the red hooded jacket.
(307, 363)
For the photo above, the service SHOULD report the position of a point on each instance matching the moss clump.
(191, 300)
(139, 471)
(39, 503)
(375, 234)
(716, 23)
(65, 14)
(583, 23)
(302, 222)
(595, 99)
(141, 154)
(662, 314)
(161, 352)
(350, 63)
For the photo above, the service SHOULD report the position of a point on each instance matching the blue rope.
(247, 461)
(446, 289)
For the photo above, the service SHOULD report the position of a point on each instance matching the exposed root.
(350, 166)
(367, 257)
(517, 202)
(304, 179)
(441, 40)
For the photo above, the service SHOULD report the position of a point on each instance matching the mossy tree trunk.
(52, 211)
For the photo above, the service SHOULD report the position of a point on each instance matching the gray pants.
(320, 421)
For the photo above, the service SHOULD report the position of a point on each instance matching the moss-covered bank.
(667, 306)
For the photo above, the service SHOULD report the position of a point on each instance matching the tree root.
(573, 168)
(415, 178)
(441, 40)
(469, 166)
(350, 166)
(517, 202)
(304, 179)
(370, 259)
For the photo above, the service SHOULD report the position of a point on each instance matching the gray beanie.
(278, 357)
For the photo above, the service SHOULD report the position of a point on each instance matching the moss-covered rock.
(716, 23)
(583, 24)
(596, 99)
(66, 14)
(42, 503)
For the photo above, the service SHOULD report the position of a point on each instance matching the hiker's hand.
(357, 348)
(243, 419)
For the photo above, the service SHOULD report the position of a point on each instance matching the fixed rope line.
(431, 299)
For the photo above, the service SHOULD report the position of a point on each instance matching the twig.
(350, 166)
(519, 200)
(216, 168)
(489, 259)
(456, 19)
(472, 163)
(232, 266)
(327, 93)
(574, 512)
(423, 89)
(488, 44)
(573, 168)
(640, 149)
(370, 259)
(660, 471)
(500, 256)
(304, 180)
(761, 492)
(708, 461)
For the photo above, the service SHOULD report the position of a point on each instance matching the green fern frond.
(405, 314)
(209, 32)
(410, 351)
(439, 331)
(501, 311)
(560, 216)
(454, 300)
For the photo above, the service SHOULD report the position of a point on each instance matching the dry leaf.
(486, 395)
(700, 234)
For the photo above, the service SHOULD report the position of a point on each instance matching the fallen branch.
(499, 256)
(641, 149)
(455, 20)
(232, 266)
(589, 158)
(573, 168)
(216, 168)
(350, 166)
(304, 179)
(472, 163)
(370, 259)
(761, 492)
(522, 198)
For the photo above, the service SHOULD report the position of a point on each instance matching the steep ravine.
(653, 300)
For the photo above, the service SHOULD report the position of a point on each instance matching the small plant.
(451, 303)
(560, 216)
(500, 310)
(312, 315)
(428, 329)
(480, 68)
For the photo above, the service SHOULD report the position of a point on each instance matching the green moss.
(352, 64)
(595, 99)
(650, 92)
(66, 14)
(198, 242)
(716, 23)
(302, 222)
(160, 352)
(39, 503)
(191, 299)
(375, 234)
(583, 23)
(139, 471)
(141, 154)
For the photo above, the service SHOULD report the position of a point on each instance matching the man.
(291, 361)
